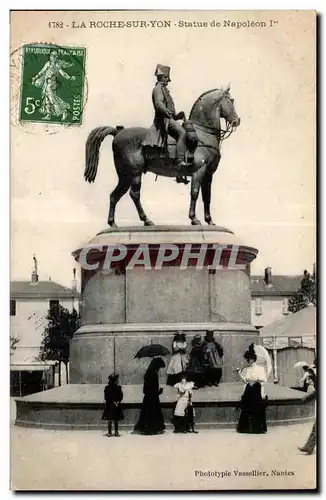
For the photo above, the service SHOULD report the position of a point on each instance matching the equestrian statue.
(168, 148)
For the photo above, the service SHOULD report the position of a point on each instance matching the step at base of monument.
(80, 407)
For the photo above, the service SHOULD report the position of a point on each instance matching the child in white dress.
(183, 418)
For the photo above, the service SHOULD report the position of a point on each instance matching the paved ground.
(75, 460)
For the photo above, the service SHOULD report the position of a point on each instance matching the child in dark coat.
(113, 396)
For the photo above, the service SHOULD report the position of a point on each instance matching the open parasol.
(152, 350)
(300, 364)
(263, 358)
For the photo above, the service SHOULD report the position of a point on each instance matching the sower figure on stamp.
(165, 120)
(47, 80)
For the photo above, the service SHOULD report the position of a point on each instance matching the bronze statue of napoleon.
(165, 120)
(193, 150)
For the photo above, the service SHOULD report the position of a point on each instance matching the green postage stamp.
(52, 84)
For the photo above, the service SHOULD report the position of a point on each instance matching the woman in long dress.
(253, 401)
(179, 360)
(151, 419)
(197, 362)
(214, 360)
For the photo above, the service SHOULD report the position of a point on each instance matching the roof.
(281, 286)
(301, 323)
(40, 290)
(36, 367)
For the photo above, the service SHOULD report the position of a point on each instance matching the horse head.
(213, 105)
(227, 109)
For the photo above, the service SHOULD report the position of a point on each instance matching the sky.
(264, 188)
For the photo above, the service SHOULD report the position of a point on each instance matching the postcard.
(163, 232)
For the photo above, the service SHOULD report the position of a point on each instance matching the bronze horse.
(130, 162)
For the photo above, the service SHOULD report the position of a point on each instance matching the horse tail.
(92, 149)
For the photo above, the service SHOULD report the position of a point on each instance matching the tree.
(13, 344)
(61, 325)
(305, 295)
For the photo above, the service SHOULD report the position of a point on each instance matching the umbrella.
(152, 350)
(300, 364)
(263, 358)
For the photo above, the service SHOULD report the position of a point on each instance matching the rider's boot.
(181, 164)
(181, 153)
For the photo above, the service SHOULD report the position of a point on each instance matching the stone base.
(98, 350)
(80, 406)
(202, 283)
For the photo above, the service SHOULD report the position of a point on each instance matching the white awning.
(32, 367)
(300, 324)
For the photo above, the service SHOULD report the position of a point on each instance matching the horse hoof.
(196, 222)
(149, 223)
(210, 222)
(112, 224)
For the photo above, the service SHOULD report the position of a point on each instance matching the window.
(12, 308)
(54, 304)
(286, 306)
(258, 307)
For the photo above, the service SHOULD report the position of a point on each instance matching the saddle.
(166, 155)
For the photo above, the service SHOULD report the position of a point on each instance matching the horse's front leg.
(196, 181)
(206, 195)
(206, 188)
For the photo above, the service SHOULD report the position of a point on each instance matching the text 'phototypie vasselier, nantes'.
(120, 24)
(239, 473)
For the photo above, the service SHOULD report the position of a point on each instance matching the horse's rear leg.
(121, 189)
(135, 196)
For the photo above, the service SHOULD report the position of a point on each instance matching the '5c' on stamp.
(52, 84)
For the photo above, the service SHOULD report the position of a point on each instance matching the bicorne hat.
(162, 71)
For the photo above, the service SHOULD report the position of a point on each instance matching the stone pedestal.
(127, 306)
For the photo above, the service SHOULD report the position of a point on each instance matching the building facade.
(30, 302)
(270, 297)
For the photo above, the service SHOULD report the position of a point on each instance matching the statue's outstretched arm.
(65, 75)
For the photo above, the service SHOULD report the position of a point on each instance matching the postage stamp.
(52, 84)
